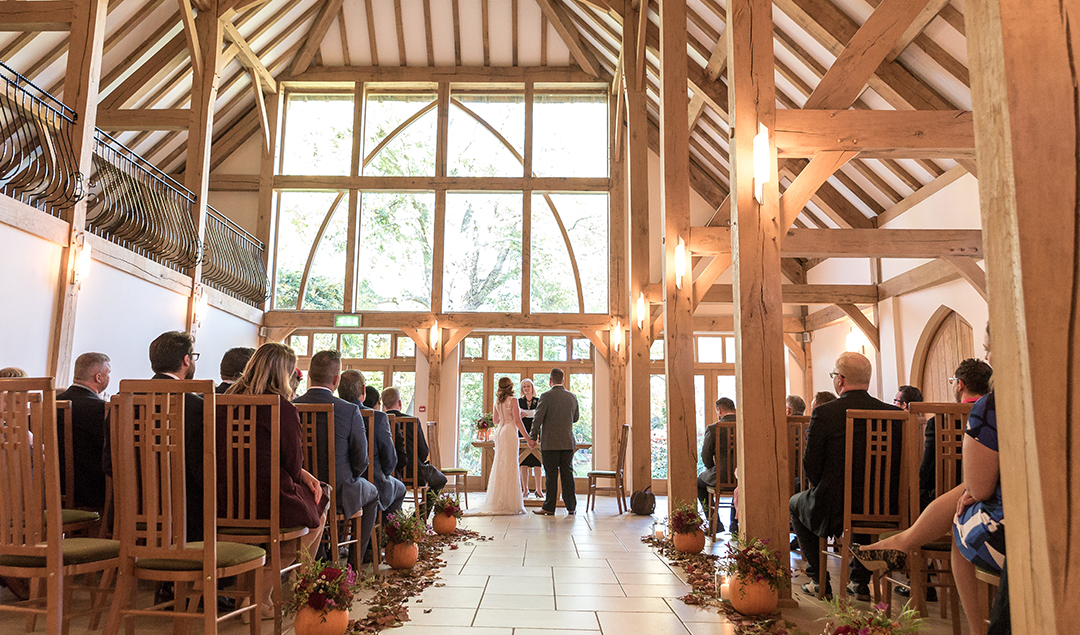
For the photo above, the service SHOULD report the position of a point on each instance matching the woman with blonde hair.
(528, 403)
(12, 372)
(504, 482)
(303, 499)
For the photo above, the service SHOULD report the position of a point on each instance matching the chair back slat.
(369, 425)
(67, 436)
(950, 420)
(725, 447)
(409, 427)
(880, 442)
(239, 438)
(317, 437)
(620, 459)
(434, 452)
(797, 425)
(30, 498)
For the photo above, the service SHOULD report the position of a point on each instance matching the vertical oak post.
(353, 237)
(678, 302)
(755, 247)
(266, 224)
(1029, 168)
(81, 94)
(619, 291)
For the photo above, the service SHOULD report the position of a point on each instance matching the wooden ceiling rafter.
(58, 51)
(429, 41)
(344, 35)
(372, 43)
(249, 59)
(399, 23)
(560, 18)
(315, 35)
(485, 30)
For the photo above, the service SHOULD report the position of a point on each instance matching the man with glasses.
(906, 395)
(819, 511)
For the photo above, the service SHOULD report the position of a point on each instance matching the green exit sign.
(346, 321)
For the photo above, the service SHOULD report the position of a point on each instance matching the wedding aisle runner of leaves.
(395, 588)
(700, 571)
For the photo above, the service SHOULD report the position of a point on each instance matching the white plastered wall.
(30, 267)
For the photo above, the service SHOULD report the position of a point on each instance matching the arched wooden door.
(946, 340)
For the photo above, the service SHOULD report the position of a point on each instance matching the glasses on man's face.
(834, 375)
(952, 380)
(898, 402)
(194, 357)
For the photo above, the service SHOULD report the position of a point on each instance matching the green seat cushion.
(601, 473)
(76, 551)
(455, 470)
(72, 516)
(229, 554)
(253, 531)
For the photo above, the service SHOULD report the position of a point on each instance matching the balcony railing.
(130, 201)
(37, 160)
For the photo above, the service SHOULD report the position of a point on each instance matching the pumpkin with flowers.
(323, 589)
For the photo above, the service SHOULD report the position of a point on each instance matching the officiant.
(528, 402)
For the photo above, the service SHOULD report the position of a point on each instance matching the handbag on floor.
(643, 502)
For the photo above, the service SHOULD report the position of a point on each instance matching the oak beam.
(867, 327)
(315, 36)
(928, 13)
(340, 76)
(803, 188)
(807, 293)
(970, 271)
(854, 243)
(248, 57)
(119, 119)
(876, 133)
(43, 15)
(922, 277)
(564, 26)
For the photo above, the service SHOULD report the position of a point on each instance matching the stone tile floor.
(542, 575)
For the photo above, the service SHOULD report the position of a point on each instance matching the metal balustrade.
(233, 260)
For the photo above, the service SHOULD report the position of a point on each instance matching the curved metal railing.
(38, 165)
(233, 260)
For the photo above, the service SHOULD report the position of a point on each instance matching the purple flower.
(883, 606)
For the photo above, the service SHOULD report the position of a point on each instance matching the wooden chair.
(617, 475)
(32, 544)
(341, 531)
(887, 440)
(75, 520)
(410, 426)
(376, 550)
(797, 425)
(726, 481)
(459, 474)
(988, 582)
(238, 519)
(151, 506)
(950, 421)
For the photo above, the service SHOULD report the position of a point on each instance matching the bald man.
(819, 511)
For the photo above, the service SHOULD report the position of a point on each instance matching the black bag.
(643, 502)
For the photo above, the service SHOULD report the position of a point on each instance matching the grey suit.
(391, 490)
(553, 424)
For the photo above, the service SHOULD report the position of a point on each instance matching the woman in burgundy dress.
(303, 499)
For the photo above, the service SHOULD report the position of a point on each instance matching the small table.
(487, 457)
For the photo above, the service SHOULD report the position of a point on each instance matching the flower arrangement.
(447, 505)
(485, 422)
(753, 561)
(845, 619)
(403, 527)
(685, 519)
(322, 587)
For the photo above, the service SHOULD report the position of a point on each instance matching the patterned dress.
(979, 531)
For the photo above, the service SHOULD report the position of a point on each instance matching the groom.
(554, 425)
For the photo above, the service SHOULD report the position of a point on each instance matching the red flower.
(845, 630)
(331, 573)
(317, 601)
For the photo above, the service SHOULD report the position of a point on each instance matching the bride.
(504, 483)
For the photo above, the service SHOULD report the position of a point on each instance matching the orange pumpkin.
(443, 524)
(311, 622)
(402, 555)
(689, 543)
(752, 598)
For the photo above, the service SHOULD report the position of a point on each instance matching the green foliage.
(752, 561)
(844, 619)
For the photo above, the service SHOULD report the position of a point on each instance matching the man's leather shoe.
(543, 512)
(861, 591)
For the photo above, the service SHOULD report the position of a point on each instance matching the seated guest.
(725, 411)
(232, 366)
(303, 500)
(819, 511)
(795, 406)
(88, 421)
(906, 395)
(355, 495)
(969, 383)
(821, 398)
(12, 372)
(391, 490)
(372, 398)
(403, 443)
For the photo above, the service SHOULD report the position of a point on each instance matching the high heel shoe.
(880, 559)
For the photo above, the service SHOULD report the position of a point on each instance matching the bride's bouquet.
(484, 425)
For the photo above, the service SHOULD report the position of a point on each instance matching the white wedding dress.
(504, 481)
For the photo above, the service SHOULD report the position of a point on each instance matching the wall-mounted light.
(856, 342)
(762, 163)
(616, 336)
(641, 311)
(434, 338)
(202, 305)
(680, 263)
(80, 265)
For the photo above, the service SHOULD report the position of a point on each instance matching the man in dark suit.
(553, 424)
(819, 511)
(725, 411)
(88, 421)
(233, 363)
(403, 444)
(391, 490)
(355, 494)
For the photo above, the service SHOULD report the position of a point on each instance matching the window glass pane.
(412, 150)
(656, 351)
(729, 350)
(483, 253)
(581, 384)
(378, 346)
(373, 378)
(658, 415)
(582, 349)
(710, 350)
(528, 347)
(542, 382)
(397, 239)
(555, 348)
(725, 387)
(318, 135)
(699, 410)
(570, 135)
(553, 287)
(406, 347)
(471, 408)
(474, 347)
(325, 342)
(299, 344)
(300, 216)
(352, 345)
(501, 347)
(473, 149)
(405, 381)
